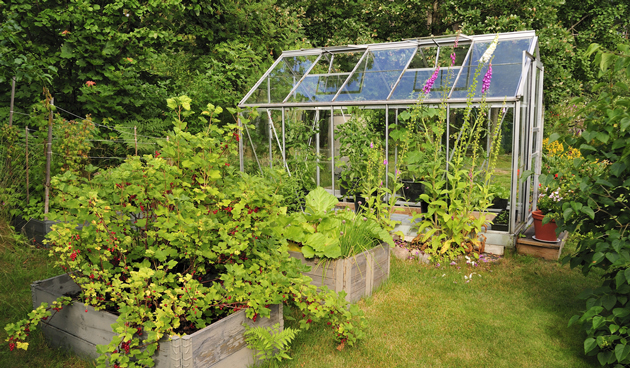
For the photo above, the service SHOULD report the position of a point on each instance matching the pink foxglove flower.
(486, 80)
(431, 81)
(385, 162)
(452, 59)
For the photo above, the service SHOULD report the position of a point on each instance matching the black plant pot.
(412, 190)
(344, 186)
(499, 203)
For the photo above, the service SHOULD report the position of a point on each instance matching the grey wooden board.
(219, 345)
(58, 338)
(225, 337)
(93, 326)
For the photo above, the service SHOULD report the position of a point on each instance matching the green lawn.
(514, 315)
(20, 265)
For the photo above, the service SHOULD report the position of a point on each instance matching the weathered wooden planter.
(358, 276)
(35, 230)
(220, 345)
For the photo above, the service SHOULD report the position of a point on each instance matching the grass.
(20, 265)
(514, 315)
(503, 171)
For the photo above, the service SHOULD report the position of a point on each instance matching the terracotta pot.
(545, 232)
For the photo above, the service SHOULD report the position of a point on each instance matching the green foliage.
(177, 240)
(449, 228)
(270, 342)
(326, 233)
(12, 173)
(355, 137)
(122, 60)
(598, 209)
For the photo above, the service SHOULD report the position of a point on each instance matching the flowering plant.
(548, 200)
(177, 241)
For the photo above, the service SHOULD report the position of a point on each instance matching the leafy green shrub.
(597, 209)
(177, 240)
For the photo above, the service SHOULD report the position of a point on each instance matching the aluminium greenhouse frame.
(387, 75)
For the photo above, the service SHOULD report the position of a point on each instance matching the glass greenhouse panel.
(376, 75)
(422, 68)
(507, 64)
(326, 78)
(278, 84)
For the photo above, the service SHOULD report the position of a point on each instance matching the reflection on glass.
(423, 66)
(375, 77)
(281, 80)
(324, 81)
(506, 69)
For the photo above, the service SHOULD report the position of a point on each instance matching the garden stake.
(48, 153)
(26, 155)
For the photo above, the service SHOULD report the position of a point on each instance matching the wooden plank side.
(225, 337)
(369, 272)
(92, 326)
(57, 338)
(551, 254)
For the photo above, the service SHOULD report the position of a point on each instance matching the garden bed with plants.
(176, 242)
(344, 250)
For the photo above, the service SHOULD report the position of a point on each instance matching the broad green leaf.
(621, 351)
(66, 51)
(588, 211)
(319, 200)
(609, 301)
(589, 344)
(621, 312)
(617, 168)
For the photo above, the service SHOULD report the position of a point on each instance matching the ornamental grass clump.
(175, 241)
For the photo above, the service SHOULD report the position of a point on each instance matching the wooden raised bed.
(358, 276)
(220, 345)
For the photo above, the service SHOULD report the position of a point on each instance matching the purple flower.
(431, 81)
(452, 59)
(371, 144)
(486, 79)
(385, 162)
(453, 263)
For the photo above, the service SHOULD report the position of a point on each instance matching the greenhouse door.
(527, 141)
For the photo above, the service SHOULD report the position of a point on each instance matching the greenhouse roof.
(395, 73)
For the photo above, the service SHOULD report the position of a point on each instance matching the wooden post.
(26, 154)
(135, 139)
(12, 99)
(48, 158)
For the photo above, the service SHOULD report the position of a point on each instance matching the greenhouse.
(306, 96)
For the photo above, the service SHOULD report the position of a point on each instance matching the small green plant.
(270, 343)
